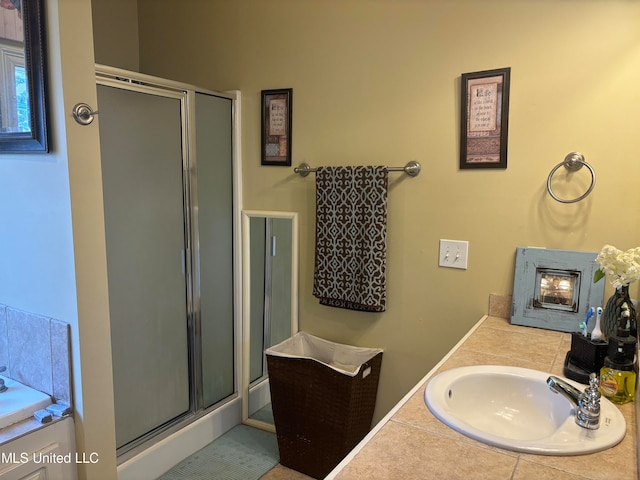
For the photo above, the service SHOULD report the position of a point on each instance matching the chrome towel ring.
(572, 162)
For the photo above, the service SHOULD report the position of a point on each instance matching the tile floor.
(280, 472)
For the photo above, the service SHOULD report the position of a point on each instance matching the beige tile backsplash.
(500, 305)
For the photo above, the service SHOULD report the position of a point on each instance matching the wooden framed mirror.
(23, 93)
(270, 303)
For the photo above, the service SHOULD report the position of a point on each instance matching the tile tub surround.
(36, 351)
(410, 443)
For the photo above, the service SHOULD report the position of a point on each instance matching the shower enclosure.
(168, 180)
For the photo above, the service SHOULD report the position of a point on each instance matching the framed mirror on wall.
(270, 303)
(23, 112)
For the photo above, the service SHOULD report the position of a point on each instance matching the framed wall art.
(276, 127)
(484, 119)
(553, 289)
(23, 78)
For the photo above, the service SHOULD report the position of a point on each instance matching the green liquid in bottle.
(619, 386)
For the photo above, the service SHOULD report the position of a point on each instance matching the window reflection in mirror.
(23, 72)
(14, 93)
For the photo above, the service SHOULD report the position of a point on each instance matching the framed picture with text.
(484, 119)
(276, 127)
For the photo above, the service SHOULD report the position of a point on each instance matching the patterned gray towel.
(351, 238)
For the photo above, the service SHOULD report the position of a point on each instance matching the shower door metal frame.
(132, 81)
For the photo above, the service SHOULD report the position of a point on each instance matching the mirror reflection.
(270, 256)
(14, 92)
(558, 289)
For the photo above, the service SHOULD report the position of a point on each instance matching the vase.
(613, 312)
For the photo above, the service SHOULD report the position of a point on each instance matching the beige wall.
(115, 33)
(377, 82)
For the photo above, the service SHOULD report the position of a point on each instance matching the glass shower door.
(144, 194)
(214, 266)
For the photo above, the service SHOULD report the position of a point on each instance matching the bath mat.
(243, 453)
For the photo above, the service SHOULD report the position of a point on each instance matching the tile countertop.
(410, 443)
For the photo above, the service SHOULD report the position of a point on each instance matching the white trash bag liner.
(345, 359)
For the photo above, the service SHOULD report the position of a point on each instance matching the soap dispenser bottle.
(618, 375)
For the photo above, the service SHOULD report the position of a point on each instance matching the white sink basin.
(19, 402)
(513, 408)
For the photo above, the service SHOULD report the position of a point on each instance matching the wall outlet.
(453, 254)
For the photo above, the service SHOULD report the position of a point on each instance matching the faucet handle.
(593, 392)
(588, 410)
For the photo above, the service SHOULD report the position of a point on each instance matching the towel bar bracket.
(304, 169)
(412, 168)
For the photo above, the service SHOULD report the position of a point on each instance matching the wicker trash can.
(323, 395)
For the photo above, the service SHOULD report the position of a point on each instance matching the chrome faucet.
(3, 387)
(587, 403)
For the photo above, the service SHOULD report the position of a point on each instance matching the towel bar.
(412, 169)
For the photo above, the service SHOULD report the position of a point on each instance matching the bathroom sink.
(19, 402)
(513, 408)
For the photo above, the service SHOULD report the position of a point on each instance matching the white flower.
(622, 268)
